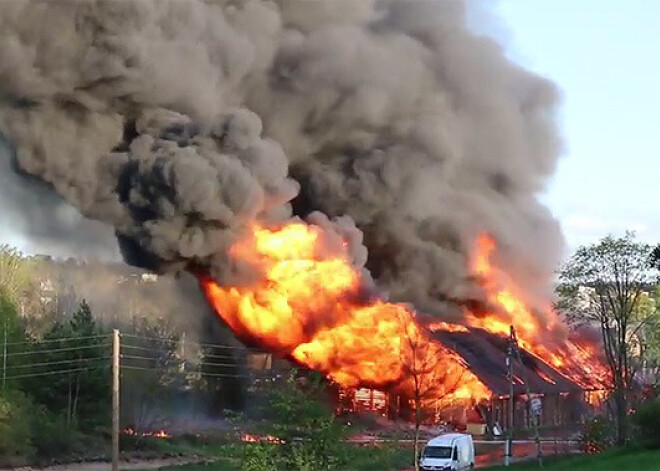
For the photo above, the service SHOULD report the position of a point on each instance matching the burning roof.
(484, 354)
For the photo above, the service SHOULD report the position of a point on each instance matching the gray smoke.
(180, 122)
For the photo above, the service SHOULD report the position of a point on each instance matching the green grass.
(386, 458)
(613, 460)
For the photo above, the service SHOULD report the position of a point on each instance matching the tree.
(655, 257)
(309, 433)
(430, 374)
(77, 350)
(15, 272)
(604, 285)
(152, 361)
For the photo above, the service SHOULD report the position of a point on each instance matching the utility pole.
(513, 346)
(508, 452)
(115, 400)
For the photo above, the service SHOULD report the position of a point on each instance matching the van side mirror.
(454, 454)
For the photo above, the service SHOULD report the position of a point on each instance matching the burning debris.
(209, 134)
(252, 438)
(156, 434)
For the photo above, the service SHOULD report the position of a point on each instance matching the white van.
(452, 451)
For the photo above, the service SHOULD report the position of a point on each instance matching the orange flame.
(251, 438)
(305, 305)
(577, 361)
(157, 434)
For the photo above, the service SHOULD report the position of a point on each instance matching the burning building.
(316, 165)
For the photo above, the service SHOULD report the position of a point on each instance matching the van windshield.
(437, 452)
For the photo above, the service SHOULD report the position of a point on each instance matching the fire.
(157, 434)
(251, 438)
(577, 361)
(306, 303)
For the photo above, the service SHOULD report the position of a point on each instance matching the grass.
(228, 457)
(629, 459)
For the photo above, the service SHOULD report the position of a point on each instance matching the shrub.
(15, 431)
(260, 457)
(598, 434)
(647, 422)
(53, 437)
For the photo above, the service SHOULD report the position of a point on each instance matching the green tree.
(15, 429)
(15, 272)
(605, 285)
(74, 357)
(311, 436)
(12, 344)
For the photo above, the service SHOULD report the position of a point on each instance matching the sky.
(603, 54)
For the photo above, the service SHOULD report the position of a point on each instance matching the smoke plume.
(180, 123)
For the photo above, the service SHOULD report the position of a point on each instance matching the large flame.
(577, 360)
(307, 303)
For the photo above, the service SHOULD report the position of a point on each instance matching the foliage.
(53, 435)
(15, 430)
(311, 435)
(647, 420)
(259, 457)
(11, 330)
(15, 272)
(605, 285)
(612, 460)
(153, 362)
(81, 391)
(598, 434)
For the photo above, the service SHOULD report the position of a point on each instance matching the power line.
(204, 355)
(66, 349)
(202, 365)
(32, 375)
(61, 362)
(209, 374)
(201, 344)
(63, 339)
(135, 357)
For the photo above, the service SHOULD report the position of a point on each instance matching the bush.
(260, 457)
(598, 434)
(647, 422)
(53, 437)
(15, 431)
(311, 437)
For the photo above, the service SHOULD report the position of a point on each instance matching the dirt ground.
(102, 466)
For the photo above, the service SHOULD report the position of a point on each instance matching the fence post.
(115, 400)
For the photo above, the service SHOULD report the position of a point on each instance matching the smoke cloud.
(180, 123)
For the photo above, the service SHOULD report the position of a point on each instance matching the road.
(491, 453)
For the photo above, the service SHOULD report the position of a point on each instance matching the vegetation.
(310, 435)
(647, 420)
(598, 434)
(612, 460)
(605, 285)
(356, 458)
